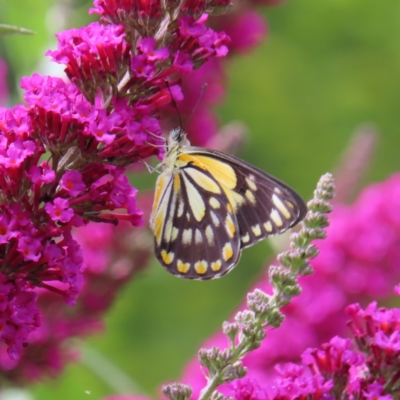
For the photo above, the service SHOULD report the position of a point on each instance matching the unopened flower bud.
(231, 329)
(177, 391)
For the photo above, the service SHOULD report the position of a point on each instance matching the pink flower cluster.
(358, 261)
(19, 314)
(63, 156)
(367, 367)
(335, 370)
(114, 255)
(42, 200)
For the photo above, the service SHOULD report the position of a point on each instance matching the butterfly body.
(209, 205)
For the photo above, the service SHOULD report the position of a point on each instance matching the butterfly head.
(176, 141)
(177, 138)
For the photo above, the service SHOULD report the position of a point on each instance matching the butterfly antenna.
(174, 104)
(203, 89)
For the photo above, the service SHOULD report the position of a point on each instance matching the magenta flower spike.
(63, 156)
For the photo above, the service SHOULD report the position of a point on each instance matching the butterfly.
(209, 205)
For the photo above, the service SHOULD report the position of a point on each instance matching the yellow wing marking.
(158, 225)
(195, 200)
(276, 218)
(250, 196)
(167, 257)
(180, 208)
(256, 230)
(169, 229)
(246, 238)
(215, 219)
(216, 266)
(160, 187)
(201, 267)
(280, 206)
(291, 205)
(177, 183)
(268, 226)
(209, 235)
(222, 172)
(174, 234)
(187, 236)
(203, 180)
(227, 251)
(182, 267)
(214, 203)
(198, 237)
(250, 183)
(160, 206)
(230, 226)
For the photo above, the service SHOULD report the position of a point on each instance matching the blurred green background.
(327, 67)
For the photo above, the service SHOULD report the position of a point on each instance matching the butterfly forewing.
(209, 205)
(265, 206)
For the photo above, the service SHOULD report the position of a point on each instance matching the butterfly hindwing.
(199, 238)
(270, 206)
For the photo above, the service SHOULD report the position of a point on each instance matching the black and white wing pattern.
(209, 205)
(265, 206)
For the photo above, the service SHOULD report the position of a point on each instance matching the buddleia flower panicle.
(366, 368)
(113, 254)
(64, 154)
(251, 325)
